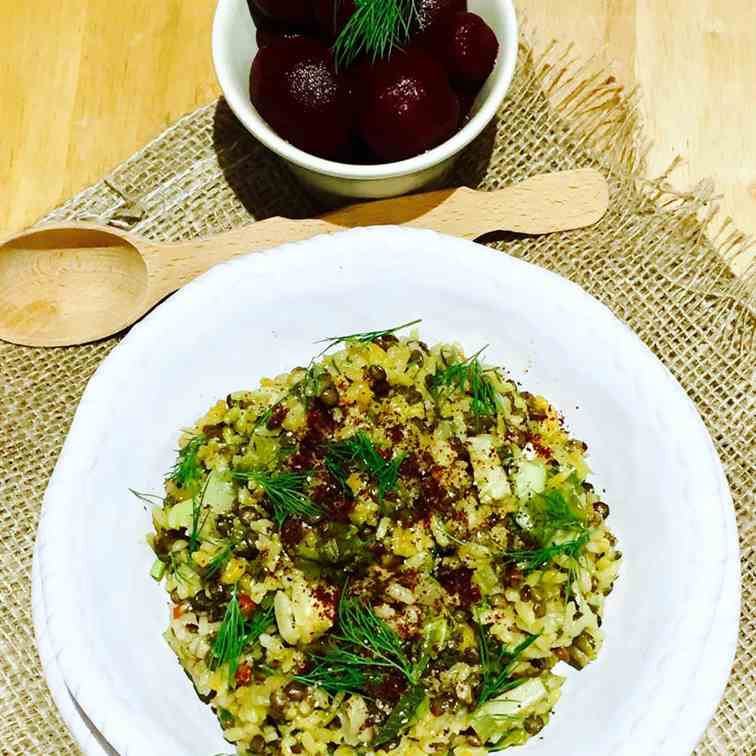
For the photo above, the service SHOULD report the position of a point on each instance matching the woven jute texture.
(657, 260)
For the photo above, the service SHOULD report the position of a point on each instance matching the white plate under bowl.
(671, 622)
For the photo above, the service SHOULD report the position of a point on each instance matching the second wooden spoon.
(65, 285)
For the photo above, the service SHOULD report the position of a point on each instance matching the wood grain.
(84, 83)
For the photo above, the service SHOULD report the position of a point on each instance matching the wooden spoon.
(63, 285)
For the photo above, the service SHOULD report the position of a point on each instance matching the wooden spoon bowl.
(69, 284)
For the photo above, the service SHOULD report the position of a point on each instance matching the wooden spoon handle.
(538, 205)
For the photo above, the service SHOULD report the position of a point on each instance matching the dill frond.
(375, 28)
(537, 559)
(285, 493)
(367, 648)
(365, 337)
(361, 627)
(340, 671)
(360, 451)
(187, 471)
(177, 568)
(152, 499)
(497, 664)
(199, 517)
(468, 377)
(236, 633)
(218, 562)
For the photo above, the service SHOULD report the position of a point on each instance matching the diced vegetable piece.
(158, 569)
(530, 478)
(180, 515)
(219, 494)
(490, 477)
(499, 715)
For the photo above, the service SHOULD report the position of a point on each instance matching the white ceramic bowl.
(234, 47)
(671, 622)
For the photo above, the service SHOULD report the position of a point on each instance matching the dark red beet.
(430, 12)
(406, 105)
(466, 46)
(332, 16)
(290, 11)
(466, 101)
(269, 31)
(296, 89)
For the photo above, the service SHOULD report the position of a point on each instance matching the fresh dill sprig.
(199, 517)
(236, 633)
(359, 626)
(367, 648)
(177, 567)
(340, 671)
(552, 512)
(265, 415)
(285, 493)
(309, 385)
(148, 498)
(187, 471)
(497, 664)
(360, 451)
(365, 337)
(375, 28)
(468, 377)
(538, 558)
(218, 562)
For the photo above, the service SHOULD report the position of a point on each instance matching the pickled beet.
(466, 46)
(431, 12)
(466, 102)
(296, 89)
(269, 31)
(406, 105)
(332, 16)
(290, 11)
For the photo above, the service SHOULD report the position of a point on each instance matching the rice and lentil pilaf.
(386, 552)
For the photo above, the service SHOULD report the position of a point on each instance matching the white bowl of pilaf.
(390, 499)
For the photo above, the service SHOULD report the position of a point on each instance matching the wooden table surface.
(84, 83)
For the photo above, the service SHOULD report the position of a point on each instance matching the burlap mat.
(649, 260)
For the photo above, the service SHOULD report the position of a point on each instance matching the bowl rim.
(256, 125)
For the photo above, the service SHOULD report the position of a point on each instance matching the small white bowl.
(234, 47)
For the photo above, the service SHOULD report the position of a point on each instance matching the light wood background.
(84, 83)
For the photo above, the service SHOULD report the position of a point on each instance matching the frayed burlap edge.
(659, 260)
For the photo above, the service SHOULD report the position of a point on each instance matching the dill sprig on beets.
(468, 377)
(497, 664)
(375, 28)
(285, 493)
(360, 451)
(236, 633)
